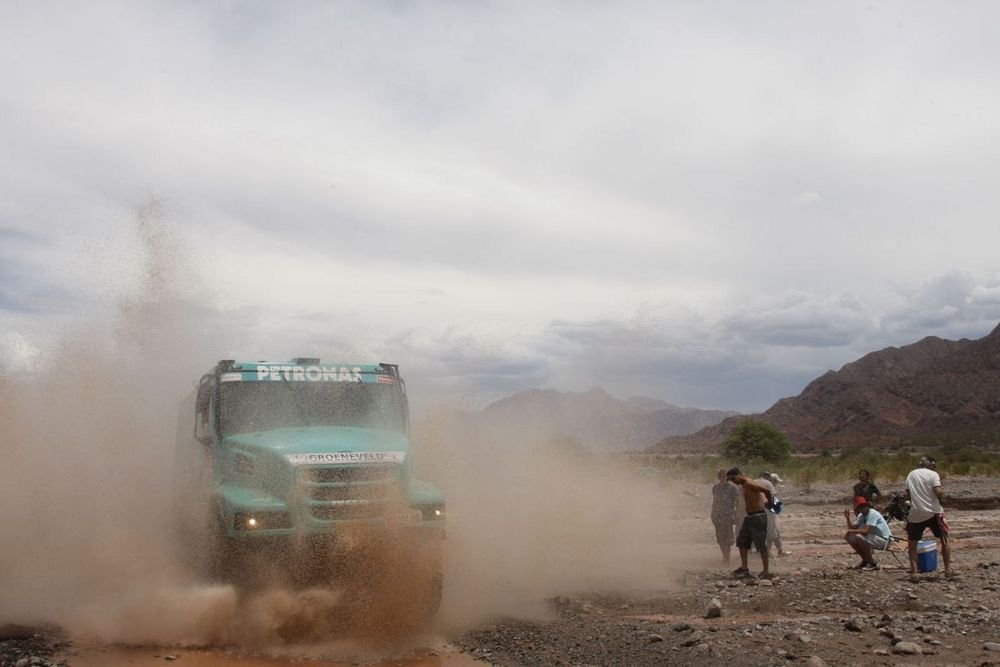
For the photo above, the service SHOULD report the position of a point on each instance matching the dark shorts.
(914, 531)
(724, 531)
(753, 531)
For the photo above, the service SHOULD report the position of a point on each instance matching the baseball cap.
(928, 461)
(859, 501)
(776, 479)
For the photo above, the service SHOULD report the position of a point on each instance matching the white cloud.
(735, 197)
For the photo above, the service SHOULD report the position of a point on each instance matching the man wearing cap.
(868, 531)
(771, 480)
(753, 531)
(924, 487)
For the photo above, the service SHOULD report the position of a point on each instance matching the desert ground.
(817, 610)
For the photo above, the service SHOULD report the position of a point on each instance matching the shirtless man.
(757, 499)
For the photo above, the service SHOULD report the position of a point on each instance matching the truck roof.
(306, 369)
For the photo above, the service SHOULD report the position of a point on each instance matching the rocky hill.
(934, 391)
(594, 419)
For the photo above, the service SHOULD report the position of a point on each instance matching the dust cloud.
(88, 440)
(531, 518)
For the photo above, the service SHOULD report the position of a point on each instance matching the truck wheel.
(435, 591)
(401, 589)
(224, 558)
(428, 569)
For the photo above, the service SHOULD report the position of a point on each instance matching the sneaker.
(767, 575)
(741, 573)
(950, 574)
(784, 553)
(870, 565)
(860, 566)
(914, 578)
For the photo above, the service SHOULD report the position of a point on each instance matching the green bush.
(752, 440)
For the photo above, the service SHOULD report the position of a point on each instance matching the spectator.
(924, 486)
(725, 495)
(753, 531)
(868, 531)
(770, 480)
(866, 488)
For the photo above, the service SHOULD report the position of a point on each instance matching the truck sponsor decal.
(345, 457)
(290, 373)
(384, 379)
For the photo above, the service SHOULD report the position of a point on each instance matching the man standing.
(868, 531)
(724, 497)
(756, 499)
(924, 487)
(771, 480)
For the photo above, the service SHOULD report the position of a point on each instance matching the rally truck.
(301, 471)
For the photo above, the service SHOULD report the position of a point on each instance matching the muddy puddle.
(105, 656)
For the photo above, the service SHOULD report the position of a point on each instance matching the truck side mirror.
(202, 431)
(202, 422)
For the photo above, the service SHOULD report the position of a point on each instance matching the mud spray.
(85, 492)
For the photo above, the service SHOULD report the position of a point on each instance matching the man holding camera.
(868, 531)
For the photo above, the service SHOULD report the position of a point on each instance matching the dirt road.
(817, 611)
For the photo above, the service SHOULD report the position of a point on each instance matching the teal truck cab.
(305, 468)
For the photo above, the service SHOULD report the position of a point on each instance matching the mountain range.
(594, 419)
(934, 391)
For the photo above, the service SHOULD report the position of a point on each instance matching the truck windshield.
(259, 406)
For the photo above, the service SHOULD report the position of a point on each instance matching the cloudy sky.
(709, 203)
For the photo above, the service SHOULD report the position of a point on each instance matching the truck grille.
(351, 474)
(349, 512)
(349, 492)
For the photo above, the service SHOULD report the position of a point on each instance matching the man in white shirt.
(924, 487)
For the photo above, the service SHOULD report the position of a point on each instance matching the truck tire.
(225, 559)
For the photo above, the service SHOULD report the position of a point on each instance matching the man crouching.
(869, 531)
(756, 498)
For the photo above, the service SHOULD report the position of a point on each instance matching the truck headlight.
(248, 521)
(432, 512)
